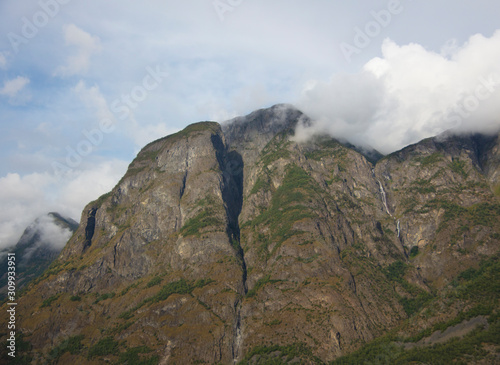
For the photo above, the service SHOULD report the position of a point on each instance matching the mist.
(408, 94)
(50, 235)
(25, 198)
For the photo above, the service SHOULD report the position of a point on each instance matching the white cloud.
(409, 94)
(86, 45)
(25, 198)
(50, 234)
(84, 186)
(94, 100)
(22, 200)
(12, 87)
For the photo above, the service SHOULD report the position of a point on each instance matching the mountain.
(233, 243)
(39, 245)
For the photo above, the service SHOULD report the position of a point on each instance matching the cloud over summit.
(408, 94)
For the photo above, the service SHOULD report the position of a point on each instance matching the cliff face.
(222, 241)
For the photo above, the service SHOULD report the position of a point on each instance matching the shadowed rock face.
(221, 239)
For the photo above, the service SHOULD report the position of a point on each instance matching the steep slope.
(440, 192)
(153, 261)
(39, 245)
(236, 243)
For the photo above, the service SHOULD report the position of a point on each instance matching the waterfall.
(384, 198)
(399, 229)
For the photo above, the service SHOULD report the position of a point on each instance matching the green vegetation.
(195, 225)
(132, 170)
(75, 298)
(73, 345)
(479, 310)
(483, 214)
(105, 346)
(180, 286)
(275, 149)
(464, 350)
(414, 251)
(274, 322)
(396, 271)
(497, 190)
(478, 286)
(430, 160)
(54, 269)
(458, 167)
(332, 149)
(269, 355)
(460, 351)
(154, 281)
(191, 129)
(98, 202)
(206, 218)
(328, 148)
(116, 209)
(48, 302)
(146, 155)
(409, 204)
(482, 284)
(418, 297)
(128, 288)
(415, 304)
(452, 211)
(186, 132)
(260, 284)
(132, 356)
(308, 260)
(286, 208)
(104, 297)
(422, 186)
(177, 287)
(380, 351)
(263, 182)
(275, 155)
(119, 328)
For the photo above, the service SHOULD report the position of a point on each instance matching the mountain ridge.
(235, 238)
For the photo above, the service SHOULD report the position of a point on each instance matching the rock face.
(221, 241)
(38, 247)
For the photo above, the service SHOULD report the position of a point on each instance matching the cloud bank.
(49, 235)
(409, 94)
(24, 198)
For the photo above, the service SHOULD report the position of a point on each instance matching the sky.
(85, 84)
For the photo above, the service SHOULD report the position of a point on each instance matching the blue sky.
(85, 84)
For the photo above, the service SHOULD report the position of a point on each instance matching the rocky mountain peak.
(234, 243)
(263, 123)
